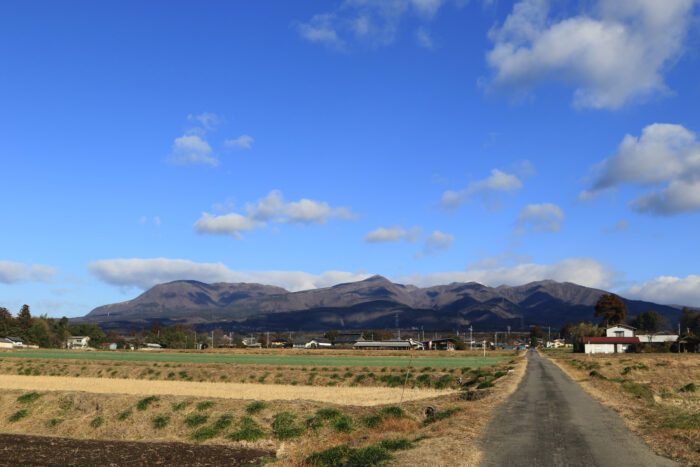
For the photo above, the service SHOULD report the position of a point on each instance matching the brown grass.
(646, 396)
(360, 396)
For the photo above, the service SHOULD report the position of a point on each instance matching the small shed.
(439, 344)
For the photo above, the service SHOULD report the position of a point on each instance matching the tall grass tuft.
(144, 403)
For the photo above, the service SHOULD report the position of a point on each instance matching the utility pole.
(679, 337)
(549, 339)
(212, 339)
(484, 345)
(268, 339)
(495, 340)
(471, 340)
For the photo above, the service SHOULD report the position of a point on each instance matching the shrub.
(437, 416)
(443, 382)
(124, 415)
(641, 391)
(195, 419)
(249, 431)
(369, 456)
(485, 384)
(328, 413)
(331, 457)
(371, 421)
(223, 422)
(392, 411)
(28, 398)
(690, 387)
(397, 444)
(53, 422)
(683, 422)
(204, 405)
(160, 422)
(204, 433)
(143, 404)
(179, 405)
(97, 422)
(255, 407)
(284, 427)
(19, 415)
(314, 422)
(343, 424)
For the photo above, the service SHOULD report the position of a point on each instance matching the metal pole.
(484, 345)
(471, 340)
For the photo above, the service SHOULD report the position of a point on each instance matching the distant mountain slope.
(371, 303)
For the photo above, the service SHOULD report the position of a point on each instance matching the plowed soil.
(47, 451)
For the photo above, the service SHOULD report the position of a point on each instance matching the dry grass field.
(325, 425)
(656, 394)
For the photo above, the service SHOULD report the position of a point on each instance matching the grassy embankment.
(656, 394)
(299, 431)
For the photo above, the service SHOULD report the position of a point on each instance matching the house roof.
(382, 344)
(349, 338)
(79, 337)
(14, 339)
(610, 340)
(5, 341)
(621, 326)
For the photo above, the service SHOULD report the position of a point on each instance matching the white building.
(657, 338)
(620, 330)
(77, 342)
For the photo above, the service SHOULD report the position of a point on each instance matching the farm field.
(348, 358)
(323, 426)
(656, 394)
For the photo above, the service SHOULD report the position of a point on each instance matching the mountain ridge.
(371, 303)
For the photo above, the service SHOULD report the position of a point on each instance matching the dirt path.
(551, 421)
(46, 451)
(359, 396)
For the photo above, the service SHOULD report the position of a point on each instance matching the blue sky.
(304, 144)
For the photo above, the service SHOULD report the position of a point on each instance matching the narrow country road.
(550, 421)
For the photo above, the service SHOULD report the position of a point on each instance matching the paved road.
(550, 421)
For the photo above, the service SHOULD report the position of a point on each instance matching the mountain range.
(373, 303)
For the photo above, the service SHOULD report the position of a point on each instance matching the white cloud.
(227, 224)
(192, 149)
(145, 273)
(667, 290)
(393, 234)
(545, 217)
(621, 226)
(372, 22)
(11, 272)
(272, 208)
(424, 38)
(498, 181)
(242, 142)
(666, 158)
(207, 119)
(583, 271)
(508, 257)
(156, 221)
(616, 51)
(435, 243)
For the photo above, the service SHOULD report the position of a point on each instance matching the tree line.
(44, 331)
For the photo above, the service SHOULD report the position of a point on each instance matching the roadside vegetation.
(656, 394)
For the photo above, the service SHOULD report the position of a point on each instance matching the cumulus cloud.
(665, 159)
(11, 272)
(393, 234)
(192, 149)
(371, 22)
(242, 142)
(545, 217)
(208, 120)
(668, 290)
(498, 181)
(145, 273)
(227, 224)
(275, 209)
(613, 52)
(583, 271)
(436, 243)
